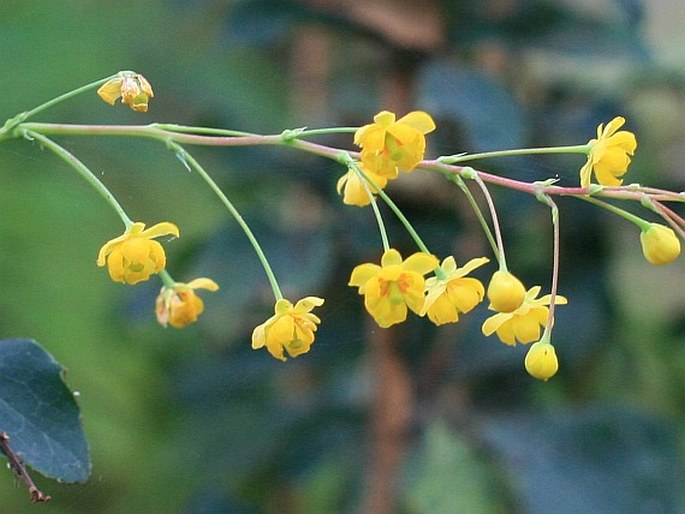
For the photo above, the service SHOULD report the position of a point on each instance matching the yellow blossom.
(609, 154)
(133, 89)
(394, 286)
(178, 305)
(354, 191)
(134, 256)
(291, 328)
(390, 146)
(541, 361)
(660, 245)
(454, 293)
(523, 324)
(505, 292)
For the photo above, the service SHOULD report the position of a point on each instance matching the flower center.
(394, 148)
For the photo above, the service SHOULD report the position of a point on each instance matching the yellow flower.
(291, 328)
(609, 154)
(389, 146)
(660, 245)
(523, 324)
(505, 292)
(454, 293)
(133, 89)
(541, 361)
(134, 256)
(178, 305)
(354, 190)
(393, 286)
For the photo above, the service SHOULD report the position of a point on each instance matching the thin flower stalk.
(365, 180)
(189, 160)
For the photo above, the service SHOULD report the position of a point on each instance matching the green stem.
(322, 131)
(555, 263)
(167, 279)
(185, 129)
(365, 180)
(499, 251)
(453, 159)
(188, 159)
(439, 272)
(13, 122)
(82, 170)
(643, 224)
(476, 209)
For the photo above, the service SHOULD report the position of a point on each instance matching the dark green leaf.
(444, 472)
(39, 412)
(601, 459)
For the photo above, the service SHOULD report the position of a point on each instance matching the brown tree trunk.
(390, 420)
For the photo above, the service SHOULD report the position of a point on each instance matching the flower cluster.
(178, 305)
(609, 154)
(388, 146)
(523, 323)
(452, 292)
(291, 328)
(135, 255)
(396, 286)
(133, 89)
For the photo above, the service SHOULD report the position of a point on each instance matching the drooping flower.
(179, 305)
(352, 188)
(660, 245)
(454, 293)
(133, 89)
(523, 324)
(541, 361)
(290, 329)
(609, 154)
(134, 256)
(505, 292)
(390, 146)
(394, 286)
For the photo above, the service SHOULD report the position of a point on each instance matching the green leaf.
(445, 473)
(594, 459)
(39, 412)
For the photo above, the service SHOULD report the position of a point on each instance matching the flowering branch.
(182, 135)
(388, 147)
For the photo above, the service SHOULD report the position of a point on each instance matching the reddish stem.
(18, 467)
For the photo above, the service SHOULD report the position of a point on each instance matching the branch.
(18, 467)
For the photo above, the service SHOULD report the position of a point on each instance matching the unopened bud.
(660, 245)
(505, 292)
(541, 361)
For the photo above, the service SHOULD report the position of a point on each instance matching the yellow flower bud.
(541, 361)
(505, 292)
(660, 245)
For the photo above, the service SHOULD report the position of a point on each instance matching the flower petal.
(391, 257)
(307, 304)
(421, 262)
(384, 118)
(471, 265)
(362, 273)
(418, 120)
(203, 283)
(160, 229)
(494, 322)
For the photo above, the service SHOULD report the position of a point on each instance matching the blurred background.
(416, 419)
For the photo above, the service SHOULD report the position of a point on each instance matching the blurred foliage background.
(413, 420)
